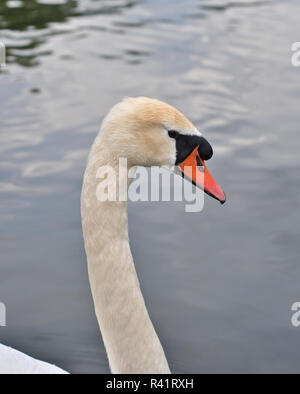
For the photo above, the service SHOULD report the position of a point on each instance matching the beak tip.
(223, 200)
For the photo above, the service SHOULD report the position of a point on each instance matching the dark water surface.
(219, 285)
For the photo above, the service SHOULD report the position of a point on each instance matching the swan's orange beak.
(194, 168)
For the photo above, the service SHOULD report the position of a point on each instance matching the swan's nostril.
(199, 164)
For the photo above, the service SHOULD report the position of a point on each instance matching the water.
(219, 285)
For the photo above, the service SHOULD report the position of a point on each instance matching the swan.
(146, 132)
(15, 362)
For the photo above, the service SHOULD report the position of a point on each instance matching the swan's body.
(12, 361)
(146, 132)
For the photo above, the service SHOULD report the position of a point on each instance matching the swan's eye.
(173, 134)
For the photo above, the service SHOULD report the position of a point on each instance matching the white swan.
(147, 132)
(14, 362)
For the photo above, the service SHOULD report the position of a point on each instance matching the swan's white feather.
(15, 362)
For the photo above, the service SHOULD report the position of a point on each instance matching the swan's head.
(149, 132)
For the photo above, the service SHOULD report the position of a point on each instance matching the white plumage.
(14, 362)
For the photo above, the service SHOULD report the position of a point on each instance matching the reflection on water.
(32, 20)
(21, 15)
(221, 297)
(225, 5)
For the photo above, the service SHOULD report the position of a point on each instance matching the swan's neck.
(129, 337)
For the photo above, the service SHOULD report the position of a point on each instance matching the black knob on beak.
(205, 149)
